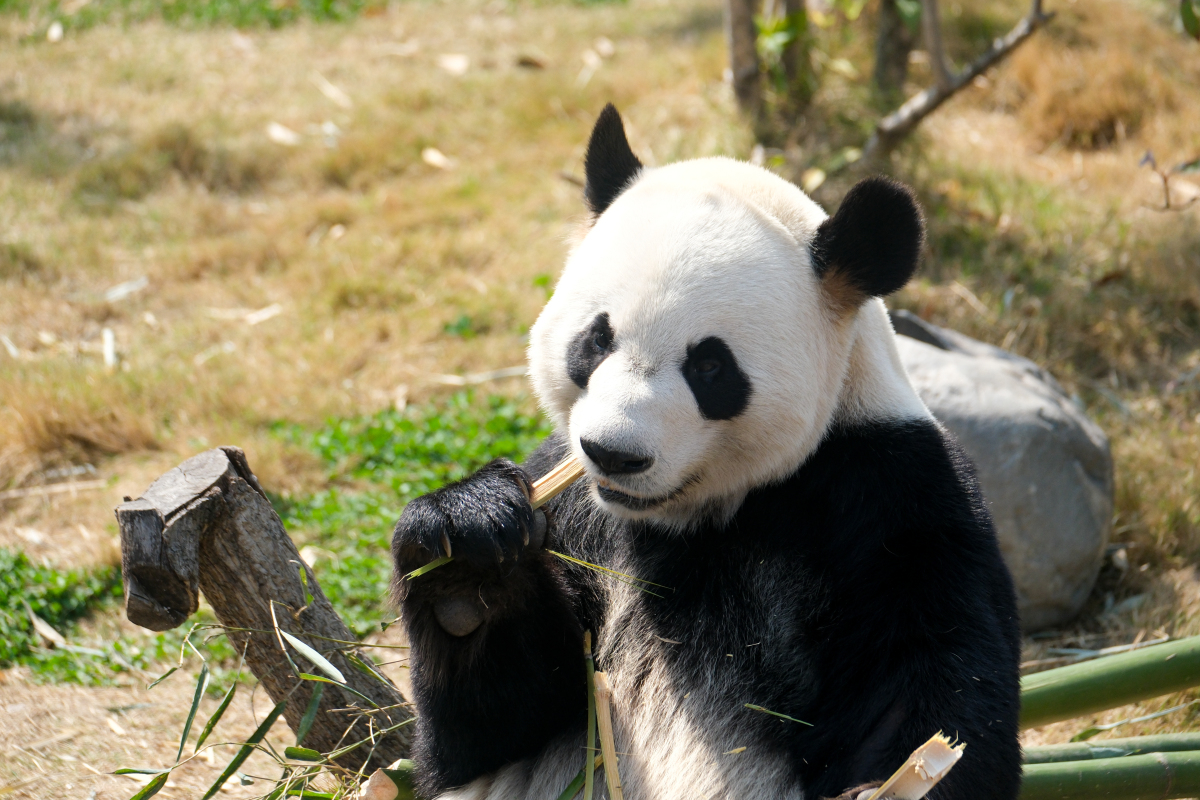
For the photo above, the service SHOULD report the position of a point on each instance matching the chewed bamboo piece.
(555, 482)
(608, 745)
(544, 489)
(928, 764)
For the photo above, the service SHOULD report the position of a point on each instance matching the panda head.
(713, 323)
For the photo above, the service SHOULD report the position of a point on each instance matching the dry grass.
(141, 151)
(1102, 71)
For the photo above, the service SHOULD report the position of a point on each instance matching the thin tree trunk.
(893, 43)
(797, 65)
(742, 37)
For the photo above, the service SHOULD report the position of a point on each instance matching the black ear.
(870, 247)
(610, 165)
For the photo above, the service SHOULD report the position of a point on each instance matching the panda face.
(713, 323)
(685, 351)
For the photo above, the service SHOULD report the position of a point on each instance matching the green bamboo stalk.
(589, 777)
(1112, 748)
(1079, 689)
(1156, 776)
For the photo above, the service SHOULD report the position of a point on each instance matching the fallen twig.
(53, 488)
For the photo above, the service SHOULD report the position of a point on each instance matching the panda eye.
(601, 340)
(707, 370)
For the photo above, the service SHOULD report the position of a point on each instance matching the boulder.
(1045, 468)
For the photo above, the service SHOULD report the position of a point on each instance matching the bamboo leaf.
(135, 771)
(318, 660)
(304, 676)
(1088, 733)
(364, 667)
(152, 788)
(430, 567)
(308, 597)
(753, 707)
(201, 686)
(631, 580)
(246, 749)
(1190, 22)
(310, 713)
(302, 754)
(163, 677)
(216, 717)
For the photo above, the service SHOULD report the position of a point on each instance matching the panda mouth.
(633, 502)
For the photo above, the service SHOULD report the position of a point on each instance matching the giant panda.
(807, 538)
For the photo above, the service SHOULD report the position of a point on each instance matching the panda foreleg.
(496, 651)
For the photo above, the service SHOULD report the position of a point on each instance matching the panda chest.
(695, 669)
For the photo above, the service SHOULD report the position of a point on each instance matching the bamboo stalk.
(577, 783)
(1161, 776)
(1112, 748)
(1118, 680)
(589, 662)
(927, 765)
(555, 482)
(608, 746)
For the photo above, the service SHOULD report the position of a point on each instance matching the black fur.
(865, 594)
(588, 349)
(720, 387)
(461, 731)
(874, 240)
(610, 165)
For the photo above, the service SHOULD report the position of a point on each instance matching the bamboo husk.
(928, 764)
(1112, 748)
(608, 745)
(1118, 680)
(1161, 776)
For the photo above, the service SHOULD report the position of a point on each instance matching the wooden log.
(207, 527)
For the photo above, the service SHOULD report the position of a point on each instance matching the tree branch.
(900, 123)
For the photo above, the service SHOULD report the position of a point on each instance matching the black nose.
(615, 462)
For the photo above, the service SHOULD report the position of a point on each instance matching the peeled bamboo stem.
(555, 482)
(608, 745)
(927, 765)
(1117, 680)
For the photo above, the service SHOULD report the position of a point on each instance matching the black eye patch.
(589, 347)
(721, 389)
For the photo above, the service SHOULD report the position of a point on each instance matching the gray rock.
(1045, 468)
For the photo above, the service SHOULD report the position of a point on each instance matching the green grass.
(238, 13)
(377, 464)
(61, 598)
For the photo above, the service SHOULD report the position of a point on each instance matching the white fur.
(711, 247)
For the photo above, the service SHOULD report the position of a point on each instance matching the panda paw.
(484, 520)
